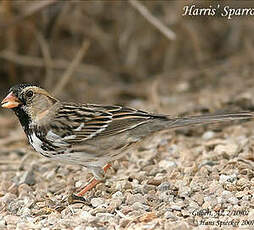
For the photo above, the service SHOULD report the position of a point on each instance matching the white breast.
(37, 144)
(57, 140)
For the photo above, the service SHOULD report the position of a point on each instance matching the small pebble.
(22, 226)
(80, 228)
(199, 198)
(173, 149)
(5, 185)
(228, 178)
(250, 214)
(169, 215)
(132, 198)
(85, 215)
(165, 186)
(233, 200)
(138, 205)
(7, 198)
(105, 217)
(96, 202)
(166, 164)
(27, 178)
(90, 228)
(147, 188)
(24, 190)
(117, 194)
(11, 219)
(78, 184)
(208, 135)
(175, 207)
(229, 149)
(2, 223)
(114, 204)
(226, 195)
(165, 197)
(154, 182)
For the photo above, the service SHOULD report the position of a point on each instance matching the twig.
(74, 64)
(30, 10)
(11, 162)
(37, 6)
(154, 95)
(47, 57)
(153, 20)
(58, 64)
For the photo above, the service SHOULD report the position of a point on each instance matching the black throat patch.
(23, 117)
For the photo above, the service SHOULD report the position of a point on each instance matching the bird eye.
(29, 93)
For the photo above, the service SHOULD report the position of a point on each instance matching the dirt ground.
(193, 178)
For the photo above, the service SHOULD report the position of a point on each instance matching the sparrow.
(90, 135)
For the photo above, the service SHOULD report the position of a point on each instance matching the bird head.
(28, 101)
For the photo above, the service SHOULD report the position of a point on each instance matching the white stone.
(97, 202)
(117, 194)
(227, 178)
(208, 135)
(233, 200)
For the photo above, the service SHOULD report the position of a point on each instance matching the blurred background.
(138, 53)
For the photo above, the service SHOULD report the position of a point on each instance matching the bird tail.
(208, 119)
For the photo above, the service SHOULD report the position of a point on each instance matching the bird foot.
(92, 183)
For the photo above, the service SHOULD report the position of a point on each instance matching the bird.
(91, 135)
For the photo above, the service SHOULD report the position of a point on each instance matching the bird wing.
(76, 123)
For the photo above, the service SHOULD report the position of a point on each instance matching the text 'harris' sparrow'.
(90, 135)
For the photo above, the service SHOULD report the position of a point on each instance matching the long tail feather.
(209, 119)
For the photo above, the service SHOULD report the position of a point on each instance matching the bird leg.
(92, 183)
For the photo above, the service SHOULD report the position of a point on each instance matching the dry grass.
(130, 43)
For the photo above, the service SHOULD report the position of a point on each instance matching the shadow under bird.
(87, 134)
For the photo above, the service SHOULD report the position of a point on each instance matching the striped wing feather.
(77, 123)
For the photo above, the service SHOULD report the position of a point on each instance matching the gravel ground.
(195, 178)
(174, 182)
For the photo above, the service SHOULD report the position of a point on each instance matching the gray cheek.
(40, 104)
